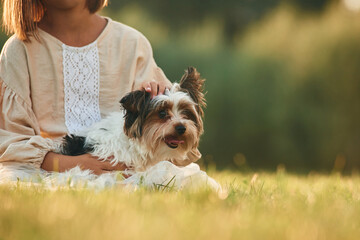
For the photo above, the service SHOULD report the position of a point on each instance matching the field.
(257, 206)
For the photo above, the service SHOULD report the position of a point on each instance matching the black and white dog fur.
(165, 128)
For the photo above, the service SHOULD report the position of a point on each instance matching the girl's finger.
(119, 167)
(161, 88)
(100, 171)
(146, 86)
(126, 175)
(154, 89)
(106, 165)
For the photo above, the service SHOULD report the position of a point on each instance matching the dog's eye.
(189, 115)
(162, 114)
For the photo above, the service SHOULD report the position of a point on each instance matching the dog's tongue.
(174, 141)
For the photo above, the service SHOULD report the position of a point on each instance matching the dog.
(147, 131)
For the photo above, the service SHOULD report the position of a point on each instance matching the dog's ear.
(134, 101)
(136, 106)
(192, 83)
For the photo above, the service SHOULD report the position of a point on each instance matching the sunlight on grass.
(258, 206)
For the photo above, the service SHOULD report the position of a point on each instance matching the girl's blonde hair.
(20, 17)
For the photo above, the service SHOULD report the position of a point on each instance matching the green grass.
(258, 206)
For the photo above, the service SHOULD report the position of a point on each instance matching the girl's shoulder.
(13, 47)
(122, 31)
(13, 57)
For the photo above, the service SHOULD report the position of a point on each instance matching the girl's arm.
(148, 75)
(20, 139)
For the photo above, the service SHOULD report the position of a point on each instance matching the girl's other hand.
(60, 163)
(155, 88)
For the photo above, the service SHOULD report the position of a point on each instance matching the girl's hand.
(61, 163)
(155, 88)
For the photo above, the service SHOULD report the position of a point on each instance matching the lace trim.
(81, 86)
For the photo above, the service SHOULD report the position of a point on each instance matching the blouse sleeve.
(19, 132)
(20, 139)
(146, 68)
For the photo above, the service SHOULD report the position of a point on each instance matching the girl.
(64, 69)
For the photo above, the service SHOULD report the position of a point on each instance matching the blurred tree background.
(283, 77)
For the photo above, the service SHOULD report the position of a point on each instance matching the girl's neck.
(75, 27)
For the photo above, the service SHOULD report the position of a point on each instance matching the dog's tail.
(75, 145)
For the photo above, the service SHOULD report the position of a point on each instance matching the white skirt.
(162, 176)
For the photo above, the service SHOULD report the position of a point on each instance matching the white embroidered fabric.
(81, 86)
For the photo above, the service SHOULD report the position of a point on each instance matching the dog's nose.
(180, 129)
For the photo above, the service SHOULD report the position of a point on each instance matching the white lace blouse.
(81, 86)
(48, 89)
